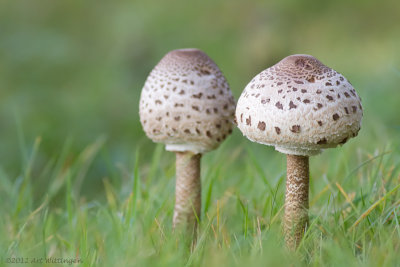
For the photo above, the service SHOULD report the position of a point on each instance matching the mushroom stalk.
(296, 200)
(188, 191)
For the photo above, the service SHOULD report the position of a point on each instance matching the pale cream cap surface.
(186, 103)
(300, 106)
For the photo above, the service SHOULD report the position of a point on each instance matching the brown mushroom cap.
(186, 102)
(300, 106)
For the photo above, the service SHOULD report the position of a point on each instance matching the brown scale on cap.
(193, 95)
(301, 91)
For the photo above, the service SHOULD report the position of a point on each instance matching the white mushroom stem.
(188, 191)
(296, 201)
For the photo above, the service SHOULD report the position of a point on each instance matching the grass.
(80, 180)
(354, 210)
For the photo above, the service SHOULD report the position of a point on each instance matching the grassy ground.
(78, 178)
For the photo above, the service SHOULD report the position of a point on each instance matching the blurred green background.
(71, 72)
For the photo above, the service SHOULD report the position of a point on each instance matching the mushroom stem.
(296, 201)
(188, 191)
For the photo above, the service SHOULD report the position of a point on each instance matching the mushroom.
(299, 106)
(187, 105)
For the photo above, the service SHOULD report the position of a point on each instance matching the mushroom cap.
(300, 106)
(186, 103)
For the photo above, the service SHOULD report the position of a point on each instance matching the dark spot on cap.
(177, 118)
(322, 141)
(241, 117)
(354, 109)
(278, 130)
(292, 105)
(279, 105)
(199, 95)
(166, 97)
(167, 114)
(328, 84)
(319, 91)
(280, 91)
(211, 97)
(182, 92)
(263, 101)
(205, 72)
(198, 131)
(300, 62)
(343, 141)
(225, 107)
(208, 111)
(319, 105)
(187, 131)
(195, 108)
(261, 125)
(337, 83)
(218, 125)
(215, 110)
(306, 101)
(303, 90)
(248, 121)
(346, 110)
(346, 94)
(311, 79)
(319, 123)
(335, 117)
(330, 98)
(299, 82)
(208, 133)
(295, 128)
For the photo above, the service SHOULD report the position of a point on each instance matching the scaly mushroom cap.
(300, 106)
(186, 102)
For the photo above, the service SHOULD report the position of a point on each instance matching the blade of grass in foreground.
(370, 209)
(133, 198)
(25, 194)
(363, 164)
(246, 215)
(85, 160)
(210, 189)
